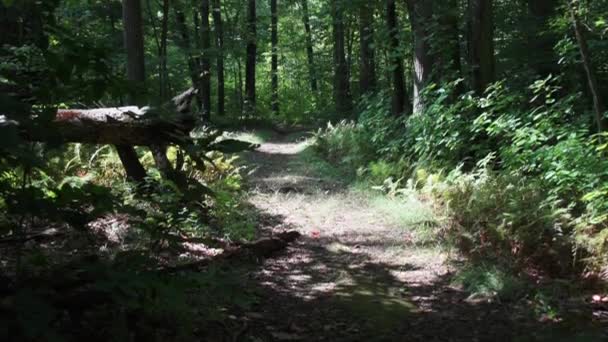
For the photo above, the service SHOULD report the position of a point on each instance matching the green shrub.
(489, 281)
(526, 178)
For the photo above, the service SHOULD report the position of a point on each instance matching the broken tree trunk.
(260, 249)
(132, 126)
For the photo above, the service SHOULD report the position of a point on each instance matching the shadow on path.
(351, 277)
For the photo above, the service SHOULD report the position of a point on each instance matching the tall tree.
(251, 57)
(274, 69)
(421, 19)
(184, 42)
(481, 44)
(219, 43)
(164, 72)
(541, 39)
(205, 78)
(309, 46)
(367, 73)
(400, 103)
(443, 39)
(342, 96)
(134, 44)
(598, 104)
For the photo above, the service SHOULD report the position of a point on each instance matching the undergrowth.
(125, 236)
(518, 175)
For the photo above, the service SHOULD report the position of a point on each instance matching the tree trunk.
(164, 73)
(446, 52)
(130, 161)
(350, 42)
(274, 69)
(421, 17)
(134, 44)
(152, 17)
(541, 39)
(367, 73)
(309, 47)
(125, 126)
(251, 58)
(241, 99)
(219, 43)
(342, 96)
(598, 105)
(184, 43)
(481, 44)
(205, 78)
(400, 99)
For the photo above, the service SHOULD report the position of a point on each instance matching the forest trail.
(355, 274)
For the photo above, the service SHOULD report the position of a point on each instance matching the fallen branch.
(45, 235)
(131, 126)
(260, 249)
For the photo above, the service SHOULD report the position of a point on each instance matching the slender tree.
(481, 44)
(274, 69)
(400, 103)
(309, 46)
(541, 39)
(367, 60)
(134, 44)
(450, 17)
(164, 72)
(219, 43)
(184, 43)
(342, 96)
(205, 77)
(251, 57)
(421, 17)
(598, 104)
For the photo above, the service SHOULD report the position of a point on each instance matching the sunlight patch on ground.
(253, 137)
(285, 148)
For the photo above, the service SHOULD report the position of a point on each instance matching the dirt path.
(355, 275)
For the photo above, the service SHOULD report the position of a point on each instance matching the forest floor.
(360, 272)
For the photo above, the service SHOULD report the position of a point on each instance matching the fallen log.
(44, 235)
(260, 249)
(131, 126)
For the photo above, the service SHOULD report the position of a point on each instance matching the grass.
(410, 214)
(490, 281)
(310, 163)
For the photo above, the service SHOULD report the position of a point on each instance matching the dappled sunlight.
(367, 265)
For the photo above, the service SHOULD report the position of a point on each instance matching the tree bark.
(342, 96)
(134, 44)
(309, 47)
(400, 98)
(598, 105)
(367, 74)
(541, 39)
(251, 58)
(446, 51)
(481, 44)
(274, 68)
(219, 43)
(240, 86)
(125, 126)
(205, 78)
(184, 43)
(421, 17)
(164, 73)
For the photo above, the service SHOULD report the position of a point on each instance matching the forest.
(303, 170)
